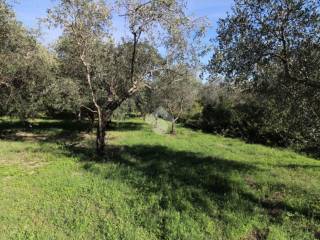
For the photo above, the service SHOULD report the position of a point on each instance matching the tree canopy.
(115, 72)
(272, 48)
(262, 81)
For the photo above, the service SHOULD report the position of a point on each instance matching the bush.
(192, 118)
(251, 118)
(217, 118)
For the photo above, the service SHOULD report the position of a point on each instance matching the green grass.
(151, 186)
(158, 125)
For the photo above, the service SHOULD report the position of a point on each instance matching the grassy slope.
(191, 186)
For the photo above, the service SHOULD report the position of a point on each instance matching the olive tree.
(111, 71)
(25, 67)
(273, 48)
(176, 90)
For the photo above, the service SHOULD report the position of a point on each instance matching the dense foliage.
(30, 83)
(23, 67)
(270, 50)
(263, 78)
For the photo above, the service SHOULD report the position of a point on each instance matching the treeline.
(256, 119)
(90, 72)
(265, 75)
(261, 84)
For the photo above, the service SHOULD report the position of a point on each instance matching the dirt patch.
(274, 204)
(24, 159)
(31, 136)
(23, 136)
(257, 234)
(251, 182)
(26, 164)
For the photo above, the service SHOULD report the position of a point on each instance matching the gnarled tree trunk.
(100, 138)
(103, 120)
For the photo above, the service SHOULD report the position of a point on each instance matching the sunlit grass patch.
(158, 124)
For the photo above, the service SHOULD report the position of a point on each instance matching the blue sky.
(29, 11)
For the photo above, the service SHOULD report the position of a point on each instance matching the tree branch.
(91, 110)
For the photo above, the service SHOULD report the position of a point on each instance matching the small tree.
(176, 91)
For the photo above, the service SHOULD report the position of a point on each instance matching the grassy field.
(151, 186)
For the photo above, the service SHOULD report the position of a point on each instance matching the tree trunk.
(103, 120)
(100, 141)
(92, 118)
(79, 115)
(156, 122)
(173, 127)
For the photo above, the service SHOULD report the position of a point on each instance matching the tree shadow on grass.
(126, 126)
(71, 125)
(299, 166)
(56, 130)
(275, 207)
(41, 131)
(177, 176)
(181, 176)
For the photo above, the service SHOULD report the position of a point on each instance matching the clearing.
(152, 186)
